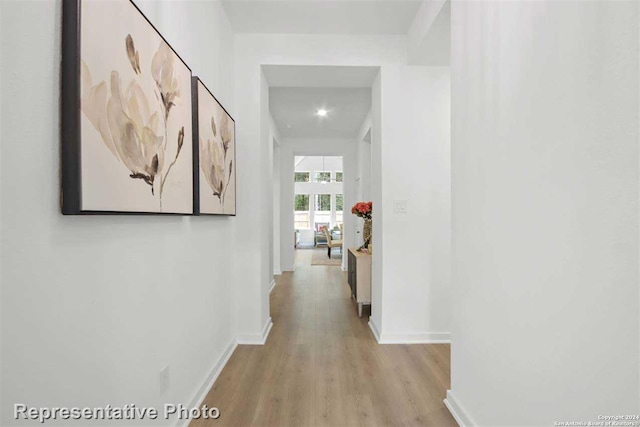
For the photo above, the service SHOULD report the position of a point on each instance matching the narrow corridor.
(321, 365)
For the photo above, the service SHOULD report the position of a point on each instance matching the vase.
(366, 233)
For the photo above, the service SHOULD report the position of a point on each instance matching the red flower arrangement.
(362, 209)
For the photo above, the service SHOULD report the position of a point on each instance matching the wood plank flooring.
(321, 366)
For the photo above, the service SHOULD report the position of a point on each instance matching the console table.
(359, 277)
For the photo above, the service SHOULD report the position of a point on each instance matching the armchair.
(332, 243)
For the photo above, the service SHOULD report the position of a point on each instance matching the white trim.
(292, 269)
(374, 330)
(457, 411)
(416, 338)
(364, 127)
(272, 285)
(257, 339)
(419, 338)
(198, 398)
(277, 272)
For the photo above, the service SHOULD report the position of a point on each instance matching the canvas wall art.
(214, 154)
(126, 114)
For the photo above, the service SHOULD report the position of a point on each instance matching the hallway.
(321, 365)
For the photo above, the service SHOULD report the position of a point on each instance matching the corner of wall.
(458, 412)
(257, 339)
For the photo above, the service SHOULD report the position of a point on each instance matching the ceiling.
(321, 17)
(294, 111)
(319, 75)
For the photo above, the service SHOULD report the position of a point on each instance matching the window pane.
(323, 202)
(301, 202)
(301, 177)
(339, 202)
(301, 220)
(338, 176)
(322, 176)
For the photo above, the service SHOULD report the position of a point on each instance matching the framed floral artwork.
(126, 114)
(214, 154)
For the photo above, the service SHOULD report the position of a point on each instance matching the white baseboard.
(457, 411)
(416, 338)
(413, 338)
(202, 392)
(277, 272)
(197, 399)
(272, 285)
(257, 339)
(374, 330)
(290, 269)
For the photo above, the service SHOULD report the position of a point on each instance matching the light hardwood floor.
(321, 365)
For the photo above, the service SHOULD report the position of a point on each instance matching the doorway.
(318, 113)
(318, 207)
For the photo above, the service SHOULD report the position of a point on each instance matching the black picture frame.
(70, 112)
(195, 80)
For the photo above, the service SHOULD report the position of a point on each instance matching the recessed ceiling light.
(322, 112)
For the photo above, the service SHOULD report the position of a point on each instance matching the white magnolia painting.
(135, 125)
(217, 153)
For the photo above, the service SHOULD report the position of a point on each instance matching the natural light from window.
(318, 197)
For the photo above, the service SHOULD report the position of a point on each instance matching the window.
(301, 202)
(338, 202)
(301, 220)
(322, 207)
(301, 177)
(322, 176)
(339, 178)
(322, 202)
(301, 216)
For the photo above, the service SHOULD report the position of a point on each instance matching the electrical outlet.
(165, 379)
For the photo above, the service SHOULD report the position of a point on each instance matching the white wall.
(265, 194)
(390, 54)
(545, 211)
(363, 180)
(93, 307)
(274, 137)
(251, 95)
(415, 168)
(276, 209)
(428, 37)
(375, 320)
(318, 163)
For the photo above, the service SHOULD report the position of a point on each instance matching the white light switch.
(400, 206)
